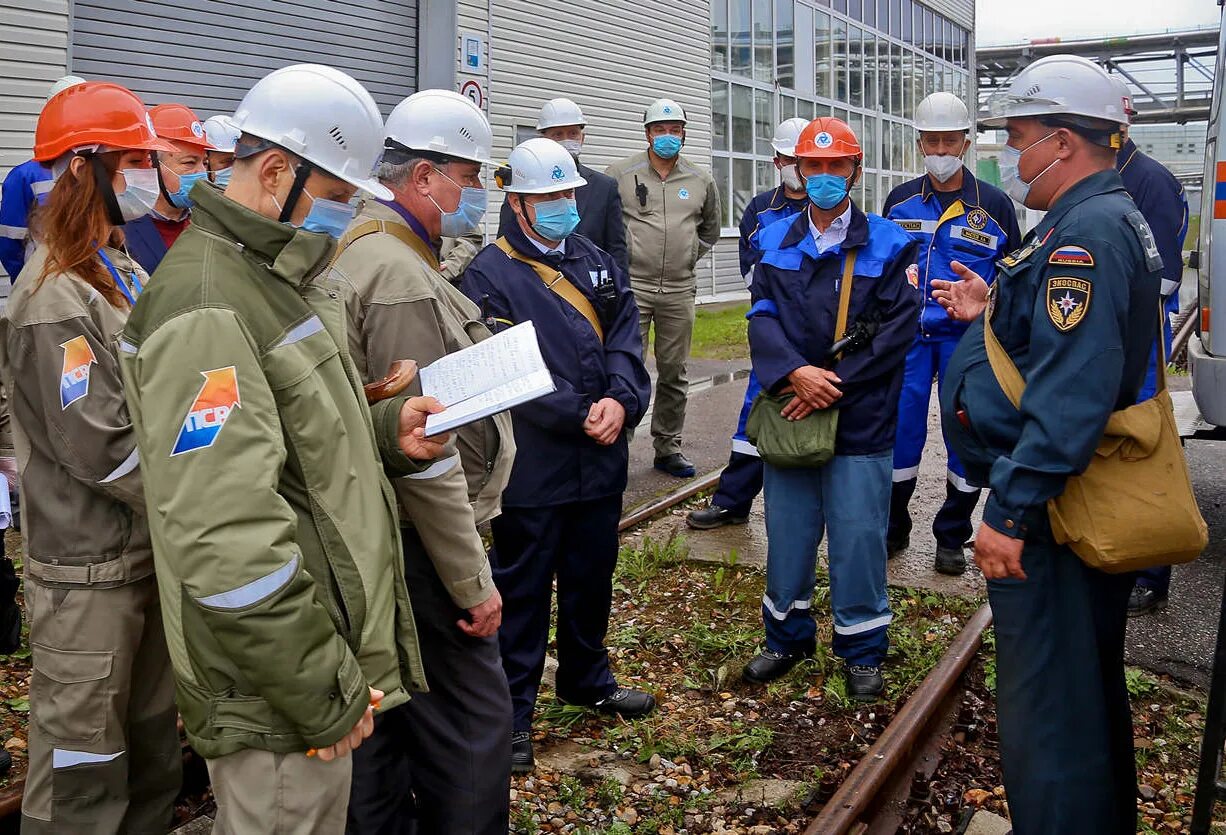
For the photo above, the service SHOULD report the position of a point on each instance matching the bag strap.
(401, 233)
(840, 325)
(1010, 379)
(556, 281)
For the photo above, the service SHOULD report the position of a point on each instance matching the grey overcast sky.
(1014, 21)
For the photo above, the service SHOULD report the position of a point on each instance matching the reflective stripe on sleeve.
(65, 758)
(300, 332)
(438, 468)
(38, 189)
(253, 592)
(906, 474)
(16, 233)
(744, 447)
(129, 464)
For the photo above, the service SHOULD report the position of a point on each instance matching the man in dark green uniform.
(1076, 309)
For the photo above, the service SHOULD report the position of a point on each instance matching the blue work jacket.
(795, 295)
(1076, 308)
(765, 209)
(1161, 199)
(556, 462)
(977, 228)
(24, 186)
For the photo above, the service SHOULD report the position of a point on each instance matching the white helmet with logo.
(942, 112)
(1063, 86)
(441, 122)
(539, 166)
(321, 115)
(786, 134)
(222, 133)
(664, 110)
(557, 113)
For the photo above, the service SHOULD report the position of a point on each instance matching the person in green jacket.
(275, 530)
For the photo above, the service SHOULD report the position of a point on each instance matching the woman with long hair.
(103, 746)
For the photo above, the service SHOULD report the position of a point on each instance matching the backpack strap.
(402, 233)
(557, 282)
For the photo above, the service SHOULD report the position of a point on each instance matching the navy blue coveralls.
(741, 480)
(145, 243)
(561, 508)
(974, 226)
(792, 324)
(24, 187)
(1161, 199)
(1076, 308)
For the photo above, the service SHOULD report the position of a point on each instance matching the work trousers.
(741, 481)
(279, 794)
(926, 361)
(1061, 701)
(673, 316)
(103, 746)
(847, 499)
(441, 762)
(575, 543)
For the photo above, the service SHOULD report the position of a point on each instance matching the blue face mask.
(467, 216)
(556, 219)
(666, 146)
(826, 190)
(180, 199)
(222, 177)
(330, 217)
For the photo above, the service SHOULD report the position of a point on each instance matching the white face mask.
(573, 146)
(942, 166)
(791, 177)
(1011, 178)
(140, 194)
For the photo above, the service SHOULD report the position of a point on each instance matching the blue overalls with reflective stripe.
(978, 227)
(24, 186)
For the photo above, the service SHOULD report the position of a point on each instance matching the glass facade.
(868, 62)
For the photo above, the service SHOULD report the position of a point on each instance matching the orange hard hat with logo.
(827, 137)
(96, 113)
(178, 122)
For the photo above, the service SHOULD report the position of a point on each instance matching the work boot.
(713, 517)
(894, 547)
(1144, 600)
(676, 465)
(864, 683)
(627, 703)
(769, 665)
(521, 752)
(951, 561)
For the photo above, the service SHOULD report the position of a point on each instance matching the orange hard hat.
(178, 122)
(827, 137)
(94, 113)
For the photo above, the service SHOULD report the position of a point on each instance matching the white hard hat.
(786, 134)
(557, 113)
(540, 166)
(64, 83)
(222, 133)
(1061, 86)
(321, 115)
(1125, 96)
(441, 122)
(942, 112)
(664, 110)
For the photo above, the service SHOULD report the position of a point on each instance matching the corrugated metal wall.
(208, 53)
(33, 54)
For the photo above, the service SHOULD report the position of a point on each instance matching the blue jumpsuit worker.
(954, 217)
(791, 329)
(599, 202)
(1162, 201)
(561, 507)
(24, 186)
(1076, 309)
(741, 480)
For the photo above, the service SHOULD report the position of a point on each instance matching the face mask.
(666, 146)
(330, 217)
(222, 177)
(826, 190)
(791, 177)
(572, 146)
(942, 166)
(467, 215)
(556, 219)
(140, 194)
(1010, 177)
(180, 199)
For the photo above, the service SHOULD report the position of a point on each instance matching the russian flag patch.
(1072, 256)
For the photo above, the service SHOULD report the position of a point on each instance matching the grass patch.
(721, 332)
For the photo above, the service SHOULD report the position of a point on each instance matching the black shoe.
(894, 547)
(769, 665)
(951, 561)
(521, 752)
(675, 465)
(627, 703)
(713, 517)
(864, 683)
(1143, 601)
